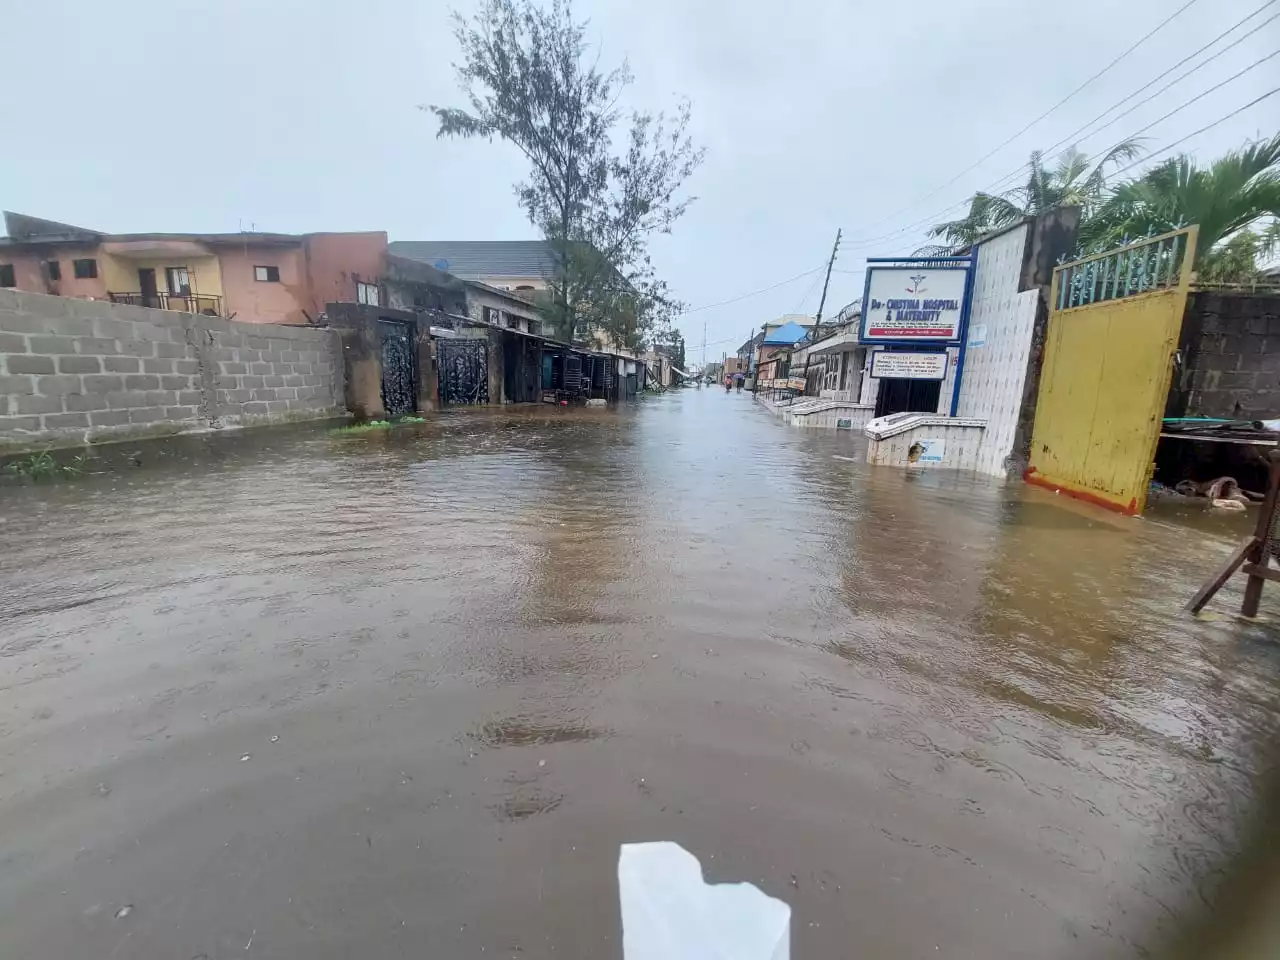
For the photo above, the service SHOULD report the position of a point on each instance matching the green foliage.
(526, 81)
(1234, 191)
(42, 466)
(1240, 258)
(369, 426)
(1070, 182)
(375, 426)
(1225, 199)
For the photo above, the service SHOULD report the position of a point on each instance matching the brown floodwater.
(286, 694)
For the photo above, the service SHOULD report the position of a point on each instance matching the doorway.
(147, 287)
(399, 382)
(464, 371)
(908, 396)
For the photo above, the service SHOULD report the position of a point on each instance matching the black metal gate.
(399, 380)
(464, 371)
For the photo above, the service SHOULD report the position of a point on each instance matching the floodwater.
(287, 694)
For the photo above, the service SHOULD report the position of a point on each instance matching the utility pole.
(830, 263)
(753, 368)
(704, 349)
(821, 303)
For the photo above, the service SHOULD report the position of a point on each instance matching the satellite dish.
(442, 264)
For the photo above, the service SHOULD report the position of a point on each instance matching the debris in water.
(245, 757)
(275, 739)
(102, 790)
(653, 656)
(124, 911)
(542, 763)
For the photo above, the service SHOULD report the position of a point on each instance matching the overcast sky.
(299, 115)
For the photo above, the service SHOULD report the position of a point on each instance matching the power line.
(754, 293)
(809, 290)
(1124, 169)
(1208, 126)
(1203, 63)
(1201, 96)
(1019, 171)
(933, 218)
(981, 160)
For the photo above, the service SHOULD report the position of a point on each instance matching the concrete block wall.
(90, 371)
(1230, 350)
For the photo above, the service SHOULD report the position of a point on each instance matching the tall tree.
(1072, 181)
(526, 81)
(1240, 188)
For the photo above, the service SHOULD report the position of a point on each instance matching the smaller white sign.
(977, 335)
(927, 451)
(909, 366)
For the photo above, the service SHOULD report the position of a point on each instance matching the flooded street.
(289, 694)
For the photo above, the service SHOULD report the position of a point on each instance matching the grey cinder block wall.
(1229, 357)
(74, 371)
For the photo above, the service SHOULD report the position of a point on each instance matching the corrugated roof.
(476, 259)
(786, 334)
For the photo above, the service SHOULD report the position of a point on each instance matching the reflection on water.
(467, 659)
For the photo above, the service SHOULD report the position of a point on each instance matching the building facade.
(253, 277)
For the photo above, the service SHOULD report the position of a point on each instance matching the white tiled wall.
(994, 373)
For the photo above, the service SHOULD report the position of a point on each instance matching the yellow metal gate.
(1114, 321)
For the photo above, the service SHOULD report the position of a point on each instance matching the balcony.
(184, 303)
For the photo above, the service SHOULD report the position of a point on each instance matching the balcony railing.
(185, 303)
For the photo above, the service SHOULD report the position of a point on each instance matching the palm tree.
(1071, 182)
(1233, 192)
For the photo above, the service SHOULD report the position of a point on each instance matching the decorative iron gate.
(464, 371)
(399, 382)
(1114, 320)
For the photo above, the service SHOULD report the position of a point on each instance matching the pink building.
(255, 277)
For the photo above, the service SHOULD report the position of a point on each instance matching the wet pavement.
(288, 694)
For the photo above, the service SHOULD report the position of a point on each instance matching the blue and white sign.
(928, 451)
(914, 303)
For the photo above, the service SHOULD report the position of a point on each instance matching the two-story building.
(251, 276)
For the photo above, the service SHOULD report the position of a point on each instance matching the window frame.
(53, 270)
(268, 269)
(85, 268)
(172, 274)
(365, 290)
(8, 272)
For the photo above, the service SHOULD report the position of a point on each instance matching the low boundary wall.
(89, 371)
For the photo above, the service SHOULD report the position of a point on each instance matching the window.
(492, 315)
(267, 274)
(86, 269)
(54, 269)
(513, 321)
(179, 280)
(367, 293)
(7, 278)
